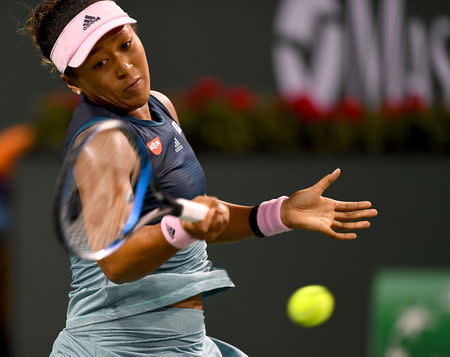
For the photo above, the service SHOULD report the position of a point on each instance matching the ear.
(71, 84)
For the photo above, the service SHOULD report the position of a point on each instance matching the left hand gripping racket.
(101, 189)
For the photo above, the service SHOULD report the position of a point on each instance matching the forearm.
(147, 249)
(144, 252)
(238, 227)
(265, 221)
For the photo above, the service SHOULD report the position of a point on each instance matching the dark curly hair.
(49, 18)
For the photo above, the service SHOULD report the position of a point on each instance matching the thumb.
(326, 181)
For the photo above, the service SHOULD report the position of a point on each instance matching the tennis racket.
(101, 188)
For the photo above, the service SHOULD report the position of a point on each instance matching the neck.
(142, 112)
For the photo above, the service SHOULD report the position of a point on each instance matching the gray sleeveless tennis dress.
(132, 319)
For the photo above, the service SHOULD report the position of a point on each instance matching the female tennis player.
(146, 298)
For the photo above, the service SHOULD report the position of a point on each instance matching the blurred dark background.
(224, 45)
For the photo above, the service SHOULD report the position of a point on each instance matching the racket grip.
(192, 211)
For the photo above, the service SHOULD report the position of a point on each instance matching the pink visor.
(82, 33)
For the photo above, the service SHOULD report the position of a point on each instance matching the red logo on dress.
(155, 146)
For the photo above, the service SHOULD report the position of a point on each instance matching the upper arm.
(167, 103)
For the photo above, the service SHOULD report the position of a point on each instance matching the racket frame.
(66, 177)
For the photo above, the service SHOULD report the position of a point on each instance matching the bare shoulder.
(167, 103)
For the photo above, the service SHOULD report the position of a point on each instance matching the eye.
(100, 64)
(126, 45)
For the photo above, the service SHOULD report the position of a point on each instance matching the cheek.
(105, 87)
(141, 59)
(103, 91)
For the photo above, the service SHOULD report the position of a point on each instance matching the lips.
(134, 85)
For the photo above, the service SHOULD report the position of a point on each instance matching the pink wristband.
(269, 217)
(174, 232)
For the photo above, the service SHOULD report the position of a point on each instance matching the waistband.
(178, 320)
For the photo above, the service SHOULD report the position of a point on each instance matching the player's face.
(116, 73)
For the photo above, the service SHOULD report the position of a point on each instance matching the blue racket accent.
(104, 252)
(66, 185)
(141, 187)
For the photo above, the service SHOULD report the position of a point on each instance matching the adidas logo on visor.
(88, 21)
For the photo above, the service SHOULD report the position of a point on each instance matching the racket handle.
(192, 211)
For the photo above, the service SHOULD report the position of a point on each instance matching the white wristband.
(174, 232)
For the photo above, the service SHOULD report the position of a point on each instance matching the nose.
(124, 67)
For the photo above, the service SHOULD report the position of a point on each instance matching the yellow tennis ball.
(310, 306)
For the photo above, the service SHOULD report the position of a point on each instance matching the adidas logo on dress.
(88, 21)
(178, 145)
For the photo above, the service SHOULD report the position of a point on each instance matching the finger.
(221, 208)
(351, 206)
(355, 215)
(223, 214)
(340, 236)
(326, 181)
(216, 229)
(218, 224)
(219, 220)
(204, 225)
(350, 225)
(209, 201)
